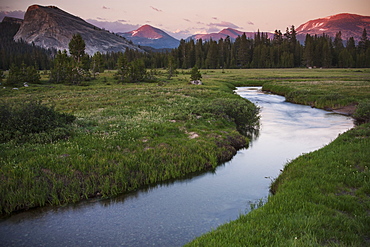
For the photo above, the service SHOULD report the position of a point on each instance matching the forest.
(282, 51)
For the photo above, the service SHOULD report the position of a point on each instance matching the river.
(174, 213)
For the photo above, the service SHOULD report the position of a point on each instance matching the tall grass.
(321, 199)
(124, 137)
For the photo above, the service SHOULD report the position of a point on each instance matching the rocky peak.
(150, 36)
(51, 27)
(350, 25)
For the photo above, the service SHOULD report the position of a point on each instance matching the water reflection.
(173, 213)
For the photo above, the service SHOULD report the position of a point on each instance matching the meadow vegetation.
(321, 198)
(65, 143)
(125, 136)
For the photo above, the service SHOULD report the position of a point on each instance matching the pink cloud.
(223, 24)
(116, 26)
(158, 10)
(17, 14)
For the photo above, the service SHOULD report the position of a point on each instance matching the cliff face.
(51, 27)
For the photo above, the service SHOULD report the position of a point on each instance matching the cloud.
(213, 30)
(223, 24)
(250, 23)
(17, 14)
(187, 20)
(180, 34)
(214, 18)
(104, 7)
(158, 10)
(116, 26)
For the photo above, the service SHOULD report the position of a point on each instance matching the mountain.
(350, 25)
(232, 33)
(51, 27)
(150, 36)
(12, 20)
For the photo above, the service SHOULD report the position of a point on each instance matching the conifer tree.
(77, 47)
(195, 74)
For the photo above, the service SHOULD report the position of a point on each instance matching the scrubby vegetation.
(30, 121)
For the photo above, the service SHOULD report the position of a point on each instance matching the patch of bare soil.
(345, 110)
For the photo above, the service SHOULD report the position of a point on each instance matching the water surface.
(174, 213)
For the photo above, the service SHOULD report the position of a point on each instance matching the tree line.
(280, 51)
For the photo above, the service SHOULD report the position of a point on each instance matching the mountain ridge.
(350, 25)
(148, 35)
(51, 27)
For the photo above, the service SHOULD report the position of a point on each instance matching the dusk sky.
(184, 18)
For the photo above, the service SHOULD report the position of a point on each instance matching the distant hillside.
(150, 36)
(51, 27)
(228, 32)
(12, 52)
(350, 25)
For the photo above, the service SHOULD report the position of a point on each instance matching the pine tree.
(171, 67)
(62, 68)
(77, 47)
(122, 68)
(195, 74)
(97, 64)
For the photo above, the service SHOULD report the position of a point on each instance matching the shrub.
(19, 75)
(32, 121)
(362, 113)
(242, 112)
(195, 74)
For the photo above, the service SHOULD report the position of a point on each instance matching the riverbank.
(125, 136)
(321, 198)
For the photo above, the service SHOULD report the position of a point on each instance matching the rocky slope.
(51, 27)
(150, 36)
(350, 25)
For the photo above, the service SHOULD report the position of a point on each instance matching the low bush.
(32, 121)
(242, 112)
(362, 113)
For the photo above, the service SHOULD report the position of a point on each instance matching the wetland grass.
(321, 198)
(125, 136)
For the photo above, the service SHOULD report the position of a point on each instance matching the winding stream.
(174, 213)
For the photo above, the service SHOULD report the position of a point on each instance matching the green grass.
(322, 199)
(329, 89)
(125, 136)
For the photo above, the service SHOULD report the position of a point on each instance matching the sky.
(182, 19)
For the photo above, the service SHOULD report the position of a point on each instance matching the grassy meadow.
(321, 198)
(126, 136)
